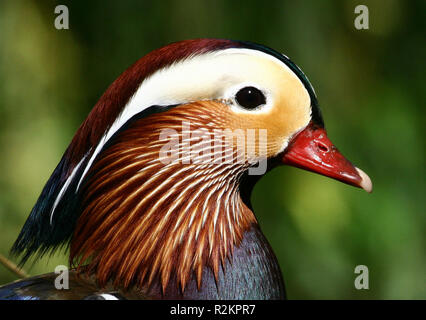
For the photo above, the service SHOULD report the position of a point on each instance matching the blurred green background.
(370, 84)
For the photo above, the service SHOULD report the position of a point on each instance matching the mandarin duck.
(152, 196)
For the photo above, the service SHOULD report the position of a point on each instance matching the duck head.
(150, 187)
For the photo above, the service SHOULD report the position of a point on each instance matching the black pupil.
(250, 97)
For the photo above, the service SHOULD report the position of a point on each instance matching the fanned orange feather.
(142, 221)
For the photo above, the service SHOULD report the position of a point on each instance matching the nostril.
(322, 147)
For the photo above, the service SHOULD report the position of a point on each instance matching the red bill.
(311, 150)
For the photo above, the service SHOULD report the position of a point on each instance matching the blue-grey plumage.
(251, 273)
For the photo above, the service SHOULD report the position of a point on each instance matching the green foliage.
(369, 84)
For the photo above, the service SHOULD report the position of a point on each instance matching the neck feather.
(143, 219)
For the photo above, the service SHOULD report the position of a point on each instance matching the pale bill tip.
(366, 183)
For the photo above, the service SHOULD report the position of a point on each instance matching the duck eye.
(250, 97)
